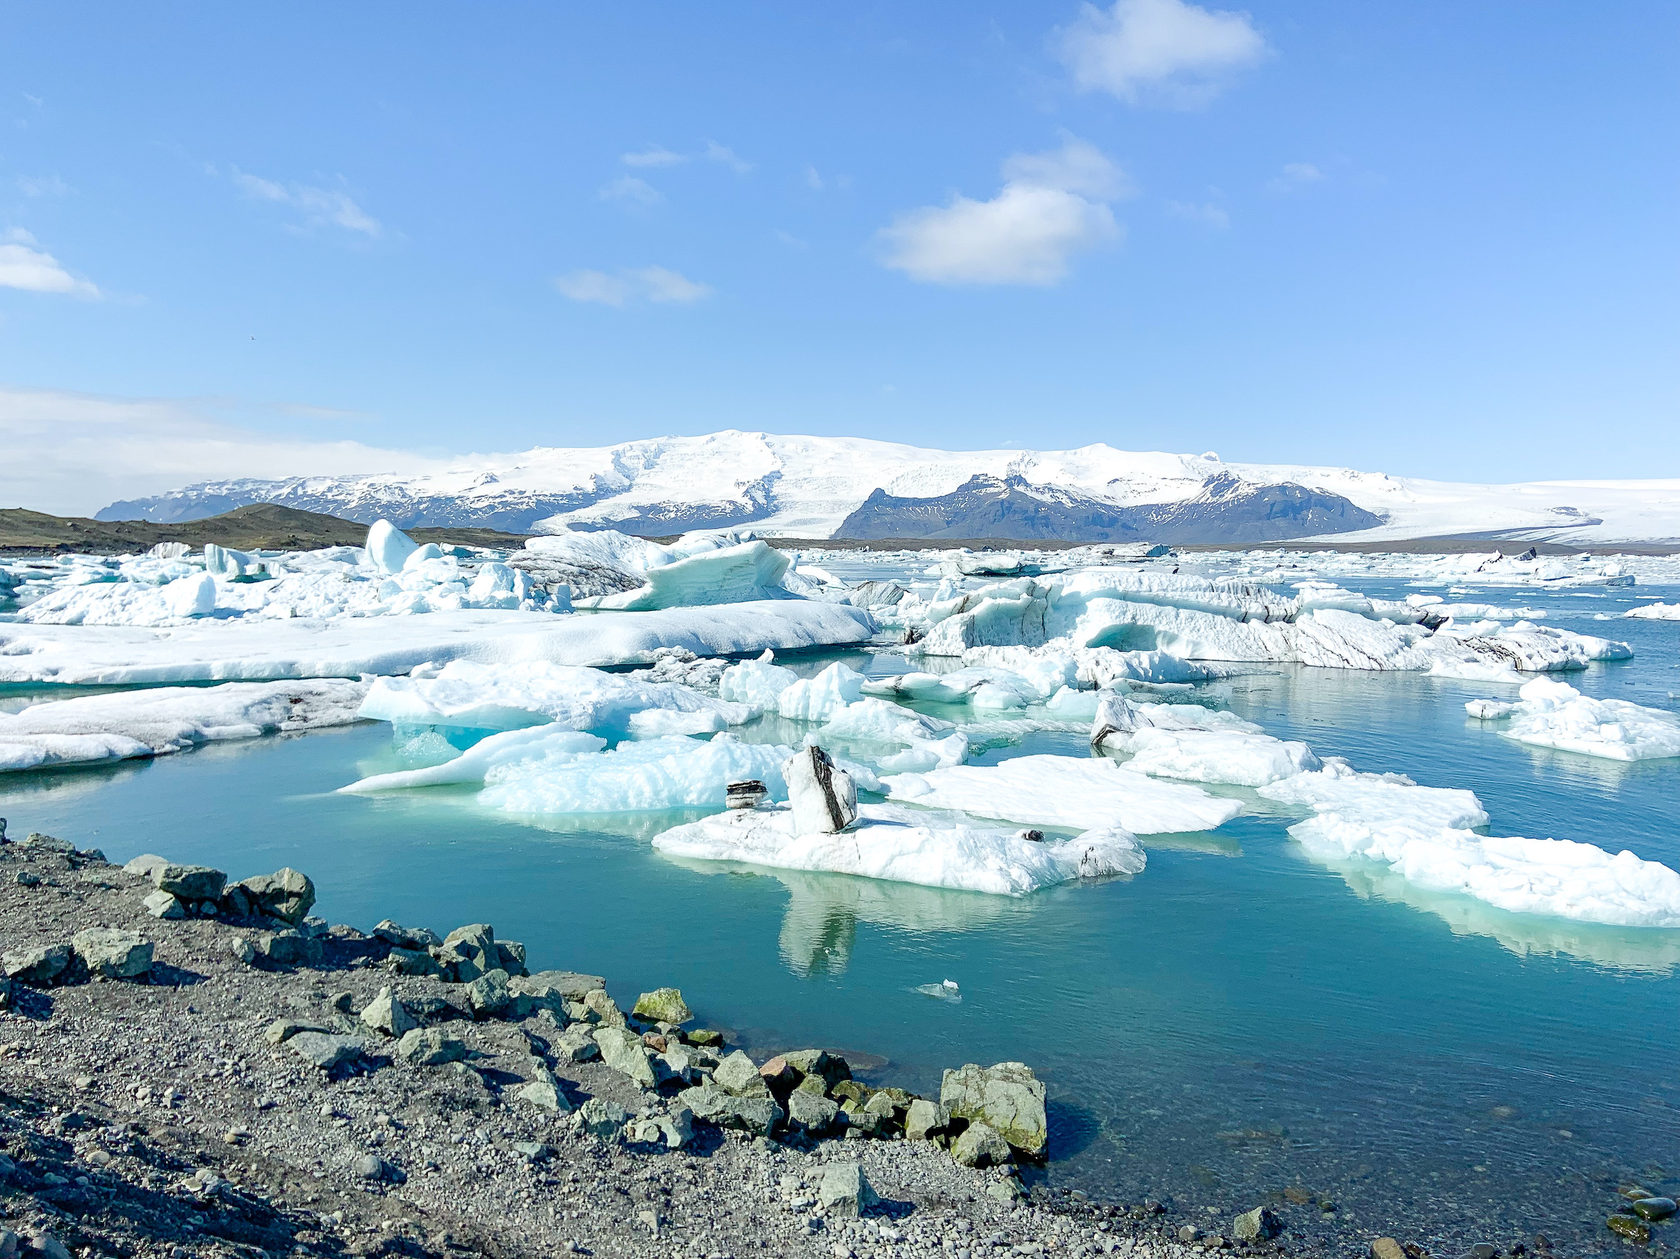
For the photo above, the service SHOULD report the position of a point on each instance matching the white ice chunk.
(1554, 714)
(1066, 792)
(1656, 612)
(671, 773)
(823, 696)
(128, 724)
(1236, 757)
(908, 846)
(821, 796)
(388, 548)
(757, 683)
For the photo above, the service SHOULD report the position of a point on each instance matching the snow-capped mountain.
(822, 487)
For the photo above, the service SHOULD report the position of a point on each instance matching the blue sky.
(1427, 238)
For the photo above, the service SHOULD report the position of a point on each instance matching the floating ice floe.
(550, 770)
(1235, 757)
(909, 846)
(214, 650)
(1655, 612)
(612, 570)
(1200, 618)
(1552, 714)
(476, 696)
(1067, 793)
(1424, 835)
(92, 729)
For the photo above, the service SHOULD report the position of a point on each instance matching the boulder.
(1387, 1248)
(511, 955)
(1629, 1228)
(545, 1095)
(980, 1145)
(758, 1115)
(489, 996)
(324, 1050)
(603, 1119)
(468, 952)
(673, 1130)
(600, 1009)
(576, 1044)
(288, 948)
(387, 1015)
(412, 962)
(811, 1113)
(109, 953)
(1007, 1097)
(1654, 1208)
(1259, 1224)
(40, 967)
(430, 1047)
(823, 796)
(558, 985)
(738, 1075)
(286, 894)
(190, 883)
(164, 905)
(415, 939)
(146, 865)
(845, 1192)
(663, 1005)
(831, 1069)
(282, 1030)
(925, 1120)
(624, 1052)
(779, 1076)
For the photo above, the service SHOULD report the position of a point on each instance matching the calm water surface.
(1236, 1021)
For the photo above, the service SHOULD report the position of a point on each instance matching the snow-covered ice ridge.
(801, 486)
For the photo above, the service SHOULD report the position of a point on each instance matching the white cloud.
(1206, 213)
(25, 265)
(320, 207)
(653, 155)
(726, 156)
(1052, 206)
(73, 453)
(636, 284)
(1295, 175)
(813, 179)
(1157, 51)
(632, 191)
(42, 186)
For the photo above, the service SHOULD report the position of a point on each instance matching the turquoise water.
(1237, 1020)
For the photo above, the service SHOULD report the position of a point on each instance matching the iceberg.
(1655, 612)
(610, 570)
(1552, 714)
(475, 696)
(1422, 834)
(758, 683)
(821, 697)
(1067, 793)
(1236, 757)
(388, 548)
(907, 846)
(91, 729)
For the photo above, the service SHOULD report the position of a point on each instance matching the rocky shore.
(191, 1066)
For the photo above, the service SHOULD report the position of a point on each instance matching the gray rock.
(109, 953)
(624, 1052)
(416, 939)
(511, 954)
(601, 1009)
(1007, 1097)
(412, 962)
(980, 1145)
(387, 1015)
(844, 1191)
(324, 1050)
(46, 1246)
(243, 950)
(146, 866)
(546, 1095)
(1387, 1248)
(925, 1120)
(190, 883)
(164, 905)
(1256, 1225)
(534, 1151)
(40, 967)
(282, 1030)
(576, 1044)
(6, 991)
(489, 997)
(811, 1113)
(286, 894)
(758, 1115)
(562, 984)
(603, 1119)
(48, 843)
(288, 948)
(430, 1047)
(27, 878)
(831, 1069)
(663, 1005)
(468, 952)
(372, 1167)
(1654, 1208)
(738, 1074)
(823, 796)
(1008, 1190)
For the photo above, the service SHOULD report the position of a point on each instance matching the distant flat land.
(260, 527)
(267, 527)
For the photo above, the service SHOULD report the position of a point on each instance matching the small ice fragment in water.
(944, 990)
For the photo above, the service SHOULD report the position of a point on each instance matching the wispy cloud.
(631, 286)
(1052, 207)
(1165, 52)
(25, 265)
(1295, 175)
(653, 155)
(726, 156)
(42, 186)
(1207, 213)
(319, 207)
(632, 191)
